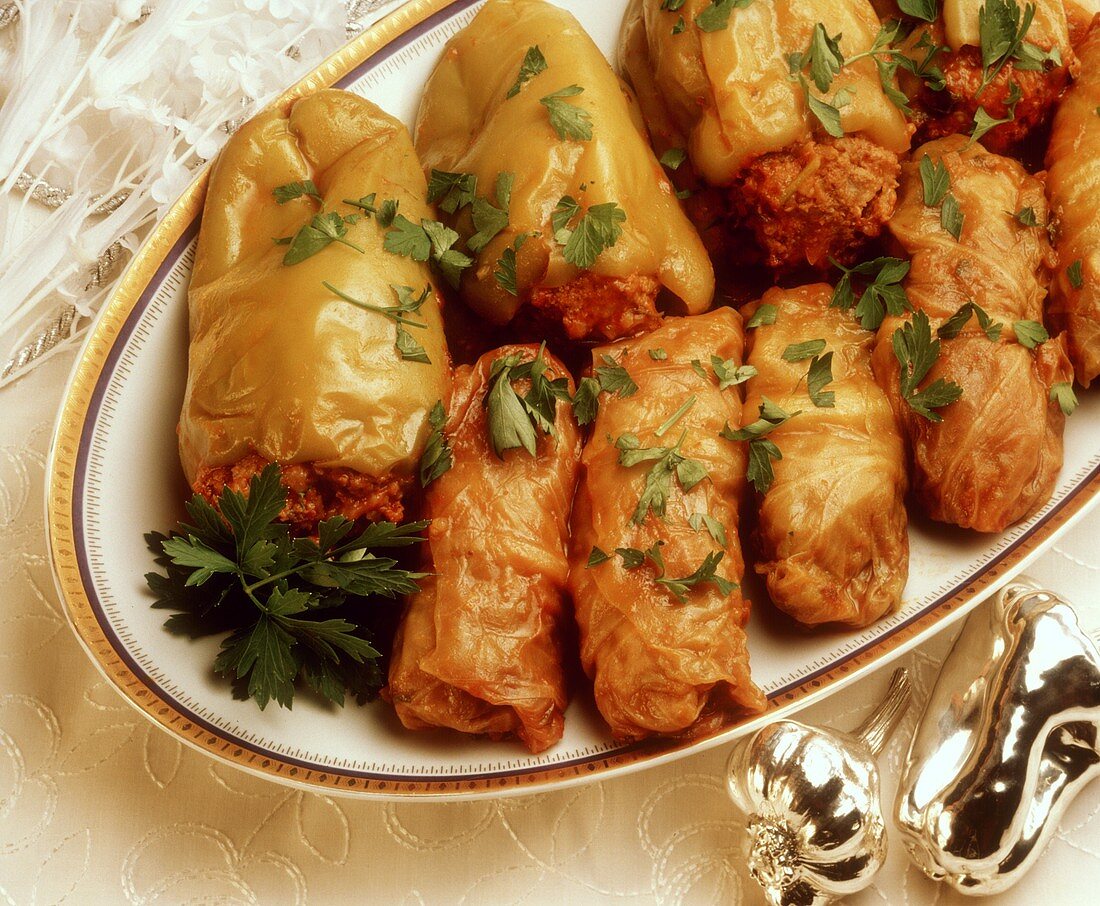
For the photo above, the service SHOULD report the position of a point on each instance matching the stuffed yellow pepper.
(538, 159)
(804, 153)
(312, 346)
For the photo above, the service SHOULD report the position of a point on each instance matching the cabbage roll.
(990, 457)
(717, 83)
(1073, 186)
(283, 369)
(654, 556)
(541, 163)
(1020, 87)
(831, 533)
(479, 648)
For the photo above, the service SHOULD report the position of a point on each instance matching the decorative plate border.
(64, 483)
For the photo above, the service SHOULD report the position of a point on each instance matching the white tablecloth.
(99, 806)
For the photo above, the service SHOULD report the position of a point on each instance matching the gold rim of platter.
(151, 701)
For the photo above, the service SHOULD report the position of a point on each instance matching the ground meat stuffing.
(816, 199)
(594, 306)
(940, 113)
(314, 493)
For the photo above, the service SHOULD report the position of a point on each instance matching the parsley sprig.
(533, 63)
(569, 121)
(1002, 28)
(916, 353)
(586, 238)
(514, 420)
(761, 450)
(610, 377)
(437, 458)
(884, 293)
(407, 303)
(953, 326)
(705, 573)
(285, 601)
(667, 461)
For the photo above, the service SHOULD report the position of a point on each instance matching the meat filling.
(816, 200)
(314, 493)
(601, 307)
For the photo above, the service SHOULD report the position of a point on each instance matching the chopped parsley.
(533, 63)
(673, 158)
(451, 190)
(1062, 394)
(883, 294)
(951, 217)
(798, 352)
(716, 16)
(407, 303)
(568, 120)
(505, 273)
(763, 316)
(818, 377)
(436, 458)
(1030, 333)
(667, 461)
(935, 180)
(953, 326)
(611, 377)
(717, 531)
(706, 573)
(1025, 217)
(1075, 275)
(1002, 27)
(596, 230)
(762, 451)
(514, 420)
(916, 353)
(428, 240)
(293, 190)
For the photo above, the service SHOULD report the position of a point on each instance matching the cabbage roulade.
(654, 555)
(810, 163)
(971, 374)
(281, 369)
(479, 648)
(831, 533)
(1013, 69)
(1073, 186)
(541, 164)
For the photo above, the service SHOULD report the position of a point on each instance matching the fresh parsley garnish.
(451, 190)
(797, 352)
(569, 120)
(670, 422)
(706, 573)
(658, 354)
(610, 377)
(428, 240)
(953, 326)
(407, 303)
(673, 158)
(505, 273)
(1030, 333)
(1062, 394)
(1075, 274)
(597, 229)
(533, 63)
(293, 190)
(321, 231)
(729, 373)
(514, 420)
(436, 458)
(935, 180)
(291, 605)
(761, 450)
(1025, 216)
(984, 121)
(717, 16)
(667, 461)
(713, 526)
(596, 557)
(763, 316)
(1002, 27)
(884, 293)
(919, 9)
(916, 353)
(951, 217)
(820, 374)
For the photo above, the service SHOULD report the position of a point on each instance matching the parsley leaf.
(669, 422)
(569, 121)
(611, 377)
(953, 326)
(533, 63)
(717, 16)
(729, 373)
(597, 230)
(1026, 217)
(1062, 394)
(951, 218)
(407, 303)
(430, 240)
(451, 190)
(883, 294)
(409, 239)
(673, 158)
(658, 354)
(762, 451)
(1030, 333)
(293, 190)
(1075, 275)
(596, 557)
(819, 375)
(668, 461)
(763, 316)
(713, 526)
(318, 234)
(916, 353)
(289, 605)
(935, 181)
(632, 558)
(436, 458)
(514, 420)
(983, 121)
(919, 9)
(505, 273)
(797, 352)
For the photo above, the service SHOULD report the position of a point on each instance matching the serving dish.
(114, 473)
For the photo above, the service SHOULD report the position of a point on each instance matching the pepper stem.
(876, 729)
